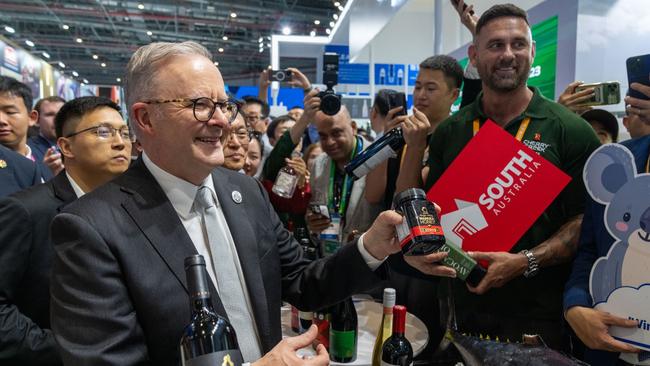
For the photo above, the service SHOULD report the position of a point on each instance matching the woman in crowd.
(254, 155)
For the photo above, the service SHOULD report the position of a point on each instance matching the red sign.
(494, 191)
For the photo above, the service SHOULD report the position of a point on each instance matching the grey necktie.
(231, 291)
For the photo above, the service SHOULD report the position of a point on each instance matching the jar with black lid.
(420, 232)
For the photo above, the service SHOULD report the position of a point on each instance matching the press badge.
(331, 236)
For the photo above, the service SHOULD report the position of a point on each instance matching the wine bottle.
(343, 332)
(306, 320)
(397, 349)
(309, 248)
(386, 326)
(286, 182)
(209, 339)
(379, 151)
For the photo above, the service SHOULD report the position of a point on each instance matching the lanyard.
(520, 133)
(347, 184)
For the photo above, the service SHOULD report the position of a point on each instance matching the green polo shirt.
(565, 140)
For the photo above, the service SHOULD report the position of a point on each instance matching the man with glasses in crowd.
(236, 142)
(96, 145)
(119, 294)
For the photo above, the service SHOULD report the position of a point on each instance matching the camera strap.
(347, 184)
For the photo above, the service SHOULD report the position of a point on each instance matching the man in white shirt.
(93, 156)
(119, 293)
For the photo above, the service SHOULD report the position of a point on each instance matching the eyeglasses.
(242, 134)
(204, 107)
(105, 132)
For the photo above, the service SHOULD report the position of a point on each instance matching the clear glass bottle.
(286, 182)
(386, 326)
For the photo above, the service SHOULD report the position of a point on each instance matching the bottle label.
(343, 344)
(285, 184)
(230, 357)
(377, 158)
(458, 260)
(384, 363)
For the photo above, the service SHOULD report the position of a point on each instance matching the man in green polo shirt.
(522, 291)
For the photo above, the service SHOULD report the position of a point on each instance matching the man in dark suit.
(25, 248)
(43, 145)
(16, 172)
(16, 116)
(119, 293)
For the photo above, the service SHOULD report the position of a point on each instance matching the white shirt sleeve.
(371, 261)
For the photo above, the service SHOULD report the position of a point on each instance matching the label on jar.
(285, 184)
(405, 233)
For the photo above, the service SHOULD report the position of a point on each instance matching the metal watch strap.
(533, 266)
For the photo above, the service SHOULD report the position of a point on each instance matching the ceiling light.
(75, 74)
(83, 84)
(317, 22)
(268, 45)
(225, 38)
(9, 29)
(335, 16)
(261, 49)
(65, 26)
(286, 31)
(29, 43)
(149, 33)
(233, 15)
(220, 49)
(336, 3)
(216, 63)
(341, 8)
(268, 37)
(95, 57)
(312, 33)
(141, 6)
(118, 80)
(45, 54)
(62, 64)
(328, 31)
(103, 64)
(332, 24)
(86, 81)
(126, 19)
(79, 40)
(260, 39)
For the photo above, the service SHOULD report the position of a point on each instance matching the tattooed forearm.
(562, 246)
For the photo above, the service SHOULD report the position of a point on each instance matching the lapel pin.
(236, 196)
(3, 164)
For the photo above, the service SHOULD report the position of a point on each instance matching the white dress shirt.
(75, 187)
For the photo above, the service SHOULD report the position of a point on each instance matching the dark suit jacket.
(25, 262)
(119, 295)
(18, 172)
(39, 146)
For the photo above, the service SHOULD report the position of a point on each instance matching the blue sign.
(349, 73)
(413, 73)
(389, 74)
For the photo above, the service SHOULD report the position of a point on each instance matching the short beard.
(505, 85)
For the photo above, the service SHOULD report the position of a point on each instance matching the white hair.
(143, 67)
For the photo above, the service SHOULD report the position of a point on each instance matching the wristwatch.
(533, 266)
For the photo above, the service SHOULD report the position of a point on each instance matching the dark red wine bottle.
(397, 350)
(209, 339)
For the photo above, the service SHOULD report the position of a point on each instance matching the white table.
(369, 316)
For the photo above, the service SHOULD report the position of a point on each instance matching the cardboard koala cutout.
(620, 282)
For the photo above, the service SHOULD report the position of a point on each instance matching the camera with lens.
(330, 102)
(280, 75)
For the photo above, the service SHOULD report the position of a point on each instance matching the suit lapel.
(155, 216)
(63, 190)
(243, 235)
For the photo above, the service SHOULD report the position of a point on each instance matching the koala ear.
(607, 170)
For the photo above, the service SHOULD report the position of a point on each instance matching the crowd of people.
(97, 215)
